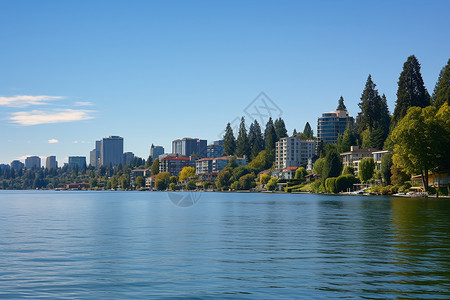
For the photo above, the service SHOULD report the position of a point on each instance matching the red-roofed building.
(175, 163)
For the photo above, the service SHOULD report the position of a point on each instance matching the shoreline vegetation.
(415, 140)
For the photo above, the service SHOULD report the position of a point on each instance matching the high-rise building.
(111, 151)
(156, 151)
(293, 152)
(77, 162)
(17, 165)
(332, 124)
(51, 162)
(215, 149)
(32, 162)
(189, 146)
(95, 154)
(128, 157)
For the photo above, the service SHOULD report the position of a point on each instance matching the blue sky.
(72, 72)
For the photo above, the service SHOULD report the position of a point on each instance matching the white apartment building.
(293, 152)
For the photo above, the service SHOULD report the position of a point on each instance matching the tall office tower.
(95, 154)
(128, 157)
(111, 151)
(77, 162)
(32, 162)
(156, 151)
(51, 162)
(331, 125)
(189, 146)
(215, 149)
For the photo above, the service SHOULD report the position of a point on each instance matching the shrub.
(264, 178)
(272, 184)
(235, 186)
(330, 185)
(345, 182)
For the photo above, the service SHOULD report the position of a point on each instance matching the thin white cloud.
(37, 117)
(75, 142)
(27, 100)
(53, 141)
(83, 103)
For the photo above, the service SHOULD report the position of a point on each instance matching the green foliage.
(191, 185)
(318, 166)
(349, 138)
(185, 173)
(229, 142)
(232, 163)
(300, 173)
(411, 90)
(256, 142)
(422, 140)
(155, 167)
(398, 177)
(174, 179)
(242, 142)
(280, 129)
(263, 161)
(264, 178)
(386, 165)
(366, 168)
(247, 181)
(341, 105)
(270, 136)
(235, 186)
(272, 184)
(148, 162)
(308, 132)
(330, 185)
(317, 186)
(348, 170)
(240, 171)
(140, 182)
(162, 181)
(223, 179)
(441, 92)
(333, 164)
(374, 119)
(345, 182)
(173, 186)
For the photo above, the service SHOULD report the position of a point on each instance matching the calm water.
(109, 245)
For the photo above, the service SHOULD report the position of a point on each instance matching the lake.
(140, 245)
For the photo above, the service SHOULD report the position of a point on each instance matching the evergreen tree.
(270, 136)
(411, 90)
(155, 167)
(242, 143)
(373, 120)
(441, 93)
(280, 129)
(229, 142)
(341, 105)
(308, 132)
(333, 165)
(348, 139)
(255, 140)
(294, 133)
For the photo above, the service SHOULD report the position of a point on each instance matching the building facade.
(128, 157)
(332, 124)
(353, 157)
(156, 151)
(32, 162)
(174, 164)
(189, 146)
(51, 162)
(216, 164)
(216, 149)
(293, 152)
(77, 162)
(94, 158)
(111, 151)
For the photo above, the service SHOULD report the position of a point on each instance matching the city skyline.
(89, 72)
